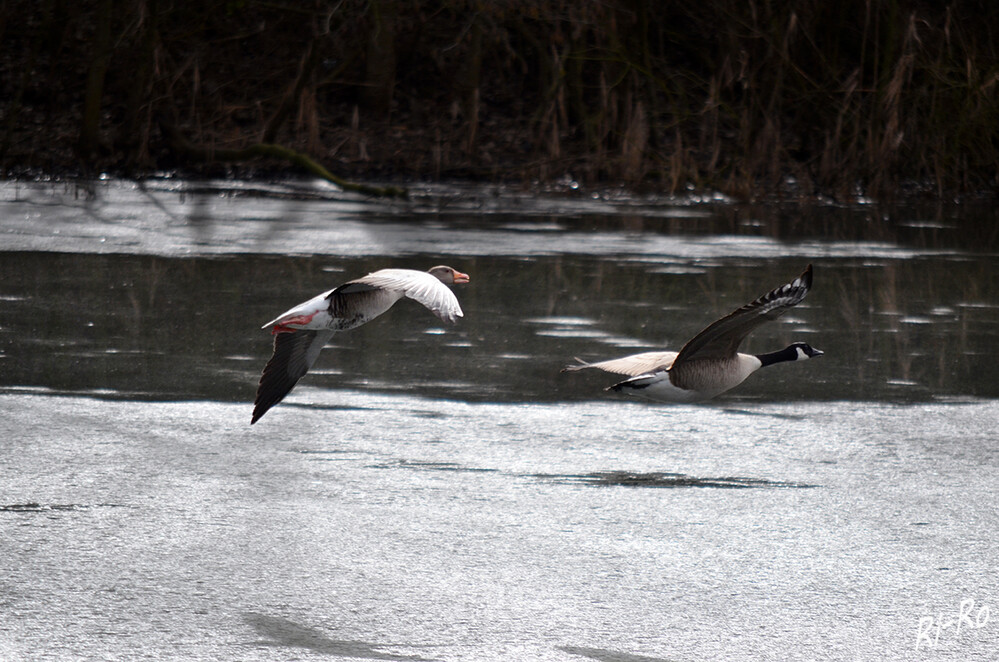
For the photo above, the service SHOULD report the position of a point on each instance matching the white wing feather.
(419, 286)
(632, 366)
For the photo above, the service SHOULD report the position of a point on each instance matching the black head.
(448, 276)
(804, 351)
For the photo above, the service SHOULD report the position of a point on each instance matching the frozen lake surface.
(432, 493)
(393, 527)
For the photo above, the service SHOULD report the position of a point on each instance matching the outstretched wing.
(632, 366)
(294, 354)
(722, 338)
(418, 285)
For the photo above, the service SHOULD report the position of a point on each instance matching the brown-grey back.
(354, 304)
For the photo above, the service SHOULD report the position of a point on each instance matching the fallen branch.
(269, 150)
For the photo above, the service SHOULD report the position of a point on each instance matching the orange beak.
(460, 277)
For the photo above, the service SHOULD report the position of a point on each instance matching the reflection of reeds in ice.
(908, 330)
(895, 329)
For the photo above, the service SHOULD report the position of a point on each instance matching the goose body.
(710, 363)
(301, 332)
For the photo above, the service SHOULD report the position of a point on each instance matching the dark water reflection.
(153, 327)
(905, 310)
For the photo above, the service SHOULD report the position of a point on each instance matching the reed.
(860, 97)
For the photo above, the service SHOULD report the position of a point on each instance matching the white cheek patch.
(801, 354)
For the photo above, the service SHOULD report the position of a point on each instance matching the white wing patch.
(419, 286)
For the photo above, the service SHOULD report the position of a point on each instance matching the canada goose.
(301, 333)
(710, 363)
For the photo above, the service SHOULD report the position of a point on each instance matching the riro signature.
(967, 617)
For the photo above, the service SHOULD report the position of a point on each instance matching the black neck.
(786, 354)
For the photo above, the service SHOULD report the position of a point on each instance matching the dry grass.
(753, 98)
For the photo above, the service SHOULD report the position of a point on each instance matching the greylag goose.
(301, 333)
(710, 363)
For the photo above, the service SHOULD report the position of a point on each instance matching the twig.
(270, 150)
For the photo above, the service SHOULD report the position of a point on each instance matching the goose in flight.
(710, 363)
(301, 333)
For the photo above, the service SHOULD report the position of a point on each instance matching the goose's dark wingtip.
(258, 413)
